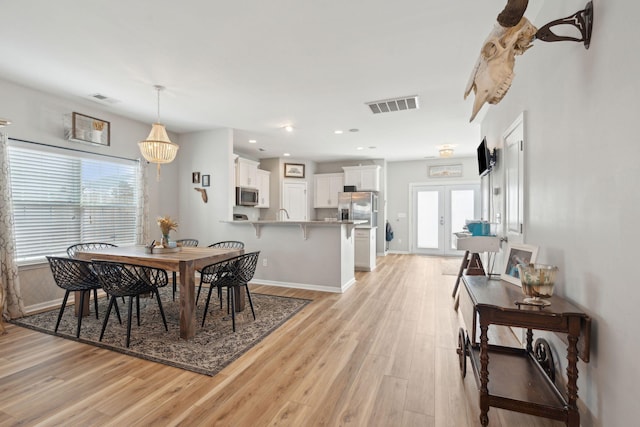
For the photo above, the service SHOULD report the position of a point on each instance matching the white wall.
(581, 179)
(401, 174)
(210, 153)
(39, 117)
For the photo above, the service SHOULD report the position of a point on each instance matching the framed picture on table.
(515, 255)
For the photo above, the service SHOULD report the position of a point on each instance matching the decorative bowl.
(537, 282)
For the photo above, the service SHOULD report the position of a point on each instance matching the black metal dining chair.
(231, 274)
(89, 246)
(74, 275)
(184, 243)
(129, 280)
(225, 244)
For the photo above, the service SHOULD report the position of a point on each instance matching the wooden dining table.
(186, 262)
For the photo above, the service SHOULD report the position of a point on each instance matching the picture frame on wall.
(294, 170)
(90, 129)
(195, 177)
(206, 180)
(445, 171)
(517, 254)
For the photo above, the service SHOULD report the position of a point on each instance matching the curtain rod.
(73, 149)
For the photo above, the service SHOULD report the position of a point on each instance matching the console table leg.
(573, 416)
(484, 374)
(529, 340)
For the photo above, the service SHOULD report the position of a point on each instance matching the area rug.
(214, 346)
(450, 266)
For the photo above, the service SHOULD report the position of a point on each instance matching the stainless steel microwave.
(246, 196)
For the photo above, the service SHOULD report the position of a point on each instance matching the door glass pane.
(462, 208)
(427, 219)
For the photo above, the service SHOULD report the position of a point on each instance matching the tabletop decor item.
(517, 254)
(166, 224)
(537, 282)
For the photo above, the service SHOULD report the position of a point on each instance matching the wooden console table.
(518, 382)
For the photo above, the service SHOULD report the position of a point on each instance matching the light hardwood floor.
(381, 354)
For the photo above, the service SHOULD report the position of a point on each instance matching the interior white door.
(514, 181)
(294, 200)
(440, 211)
(514, 219)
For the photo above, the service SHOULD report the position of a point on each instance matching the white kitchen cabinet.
(365, 178)
(263, 178)
(246, 173)
(326, 189)
(365, 249)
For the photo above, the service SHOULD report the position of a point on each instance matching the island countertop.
(295, 222)
(350, 224)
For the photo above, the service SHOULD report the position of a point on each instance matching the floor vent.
(395, 104)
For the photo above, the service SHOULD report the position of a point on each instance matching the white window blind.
(60, 200)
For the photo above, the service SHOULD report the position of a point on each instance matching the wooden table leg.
(239, 298)
(463, 265)
(187, 300)
(573, 416)
(85, 309)
(475, 267)
(484, 374)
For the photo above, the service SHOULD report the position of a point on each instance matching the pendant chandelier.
(158, 148)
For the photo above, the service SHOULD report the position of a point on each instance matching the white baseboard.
(306, 286)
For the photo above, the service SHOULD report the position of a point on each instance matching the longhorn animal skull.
(492, 76)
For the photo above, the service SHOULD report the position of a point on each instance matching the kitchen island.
(315, 255)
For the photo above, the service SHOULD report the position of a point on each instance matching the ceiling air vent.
(104, 99)
(395, 104)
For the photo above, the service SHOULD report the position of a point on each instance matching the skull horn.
(512, 13)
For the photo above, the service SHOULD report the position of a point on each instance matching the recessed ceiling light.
(338, 132)
(252, 141)
(286, 154)
(354, 130)
(288, 128)
(360, 148)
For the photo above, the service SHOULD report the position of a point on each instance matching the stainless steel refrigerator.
(359, 205)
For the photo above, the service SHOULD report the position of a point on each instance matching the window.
(63, 199)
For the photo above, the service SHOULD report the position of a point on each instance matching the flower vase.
(165, 240)
(96, 136)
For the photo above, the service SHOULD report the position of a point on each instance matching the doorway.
(439, 211)
(294, 200)
(514, 181)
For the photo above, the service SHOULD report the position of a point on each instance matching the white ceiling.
(256, 65)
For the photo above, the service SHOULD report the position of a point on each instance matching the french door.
(438, 211)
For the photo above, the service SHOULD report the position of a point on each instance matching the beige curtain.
(10, 297)
(142, 232)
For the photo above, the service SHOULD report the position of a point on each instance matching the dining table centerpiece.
(166, 224)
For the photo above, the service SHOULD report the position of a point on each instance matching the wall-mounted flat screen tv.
(484, 158)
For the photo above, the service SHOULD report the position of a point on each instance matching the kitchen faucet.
(285, 212)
